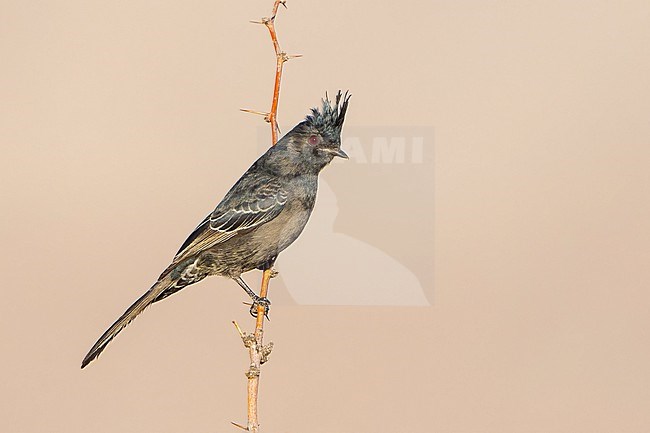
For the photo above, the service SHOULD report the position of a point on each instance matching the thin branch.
(280, 59)
(258, 352)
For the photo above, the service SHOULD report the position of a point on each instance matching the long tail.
(138, 307)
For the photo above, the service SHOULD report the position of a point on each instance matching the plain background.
(120, 129)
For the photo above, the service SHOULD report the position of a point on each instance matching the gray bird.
(261, 215)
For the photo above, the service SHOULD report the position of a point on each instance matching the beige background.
(119, 130)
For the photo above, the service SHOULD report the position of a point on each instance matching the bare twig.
(280, 58)
(258, 352)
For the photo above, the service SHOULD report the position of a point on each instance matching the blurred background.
(480, 264)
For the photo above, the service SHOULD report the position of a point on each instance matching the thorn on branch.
(267, 116)
(239, 426)
(241, 333)
(265, 20)
(284, 57)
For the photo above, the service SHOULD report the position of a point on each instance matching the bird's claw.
(259, 301)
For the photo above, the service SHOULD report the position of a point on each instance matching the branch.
(258, 352)
(280, 58)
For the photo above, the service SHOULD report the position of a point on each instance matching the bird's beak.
(339, 153)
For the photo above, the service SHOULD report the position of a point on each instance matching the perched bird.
(261, 215)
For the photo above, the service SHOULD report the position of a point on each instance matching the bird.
(262, 214)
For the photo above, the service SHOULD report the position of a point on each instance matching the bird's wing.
(264, 203)
(246, 206)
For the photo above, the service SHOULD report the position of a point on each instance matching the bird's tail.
(126, 318)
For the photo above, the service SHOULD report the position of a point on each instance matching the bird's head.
(315, 141)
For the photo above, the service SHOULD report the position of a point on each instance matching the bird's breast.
(283, 230)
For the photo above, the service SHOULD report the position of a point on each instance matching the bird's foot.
(274, 273)
(259, 301)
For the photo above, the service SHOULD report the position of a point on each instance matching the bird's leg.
(257, 300)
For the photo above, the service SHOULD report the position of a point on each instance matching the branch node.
(266, 352)
(253, 372)
(248, 340)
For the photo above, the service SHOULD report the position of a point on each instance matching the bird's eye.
(313, 139)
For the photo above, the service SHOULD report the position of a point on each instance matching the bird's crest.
(329, 118)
